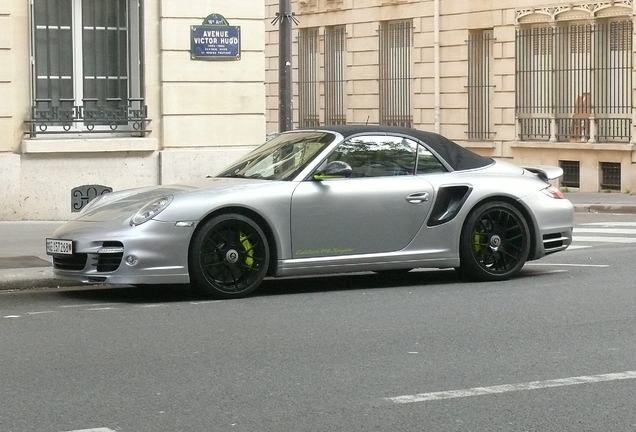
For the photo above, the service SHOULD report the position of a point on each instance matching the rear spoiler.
(545, 172)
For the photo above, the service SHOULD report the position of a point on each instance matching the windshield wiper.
(230, 175)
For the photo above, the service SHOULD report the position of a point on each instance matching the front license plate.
(59, 247)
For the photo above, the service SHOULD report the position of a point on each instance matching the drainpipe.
(436, 56)
(162, 123)
(633, 134)
(285, 108)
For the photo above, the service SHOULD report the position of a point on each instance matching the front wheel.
(495, 242)
(229, 256)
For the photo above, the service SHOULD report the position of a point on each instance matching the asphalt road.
(553, 350)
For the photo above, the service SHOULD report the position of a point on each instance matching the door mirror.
(334, 170)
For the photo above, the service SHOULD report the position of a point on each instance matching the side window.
(377, 156)
(427, 163)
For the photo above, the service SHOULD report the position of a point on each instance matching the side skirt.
(367, 262)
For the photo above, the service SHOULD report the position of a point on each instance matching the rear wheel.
(229, 256)
(495, 242)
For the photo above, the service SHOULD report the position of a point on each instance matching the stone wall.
(439, 70)
(203, 113)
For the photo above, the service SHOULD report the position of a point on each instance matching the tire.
(494, 243)
(229, 257)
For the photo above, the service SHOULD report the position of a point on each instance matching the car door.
(379, 209)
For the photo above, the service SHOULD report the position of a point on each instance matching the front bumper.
(115, 252)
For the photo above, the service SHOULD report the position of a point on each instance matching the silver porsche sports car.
(325, 200)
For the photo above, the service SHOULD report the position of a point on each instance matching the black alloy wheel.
(495, 242)
(229, 257)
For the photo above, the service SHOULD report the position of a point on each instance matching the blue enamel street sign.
(217, 41)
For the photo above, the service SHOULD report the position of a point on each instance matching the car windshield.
(280, 158)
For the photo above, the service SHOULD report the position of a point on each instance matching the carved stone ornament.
(82, 195)
(307, 4)
(574, 10)
(314, 6)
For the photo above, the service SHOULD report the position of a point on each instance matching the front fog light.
(131, 260)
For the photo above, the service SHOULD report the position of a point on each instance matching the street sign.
(215, 40)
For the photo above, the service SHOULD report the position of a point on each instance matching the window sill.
(89, 145)
(626, 147)
(478, 144)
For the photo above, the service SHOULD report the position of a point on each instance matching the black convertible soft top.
(458, 157)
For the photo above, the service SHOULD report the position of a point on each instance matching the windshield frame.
(289, 146)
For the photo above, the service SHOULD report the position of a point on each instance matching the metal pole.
(437, 65)
(285, 104)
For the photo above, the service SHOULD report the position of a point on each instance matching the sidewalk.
(602, 202)
(23, 260)
(24, 263)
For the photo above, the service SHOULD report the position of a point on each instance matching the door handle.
(417, 197)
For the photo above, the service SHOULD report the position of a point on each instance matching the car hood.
(126, 203)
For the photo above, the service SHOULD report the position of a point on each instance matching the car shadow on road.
(269, 287)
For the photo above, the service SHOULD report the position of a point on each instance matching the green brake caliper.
(476, 241)
(249, 261)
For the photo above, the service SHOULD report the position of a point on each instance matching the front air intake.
(75, 262)
(108, 257)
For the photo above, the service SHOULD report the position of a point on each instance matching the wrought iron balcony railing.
(115, 117)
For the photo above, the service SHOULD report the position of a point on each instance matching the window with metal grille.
(621, 36)
(480, 87)
(395, 73)
(541, 40)
(610, 175)
(335, 81)
(563, 82)
(571, 174)
(87, 67)
(580, 38)
(308, 52)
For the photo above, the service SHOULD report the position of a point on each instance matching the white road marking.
(101, 429)
(104, 307)
(545, 272)
(604, 239)
(506, 388)
(87, 305)
(627, 231)
(572, 247)
(604, 231)
(567, 265)
(611, 224)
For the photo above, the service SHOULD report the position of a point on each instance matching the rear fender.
(535, 239)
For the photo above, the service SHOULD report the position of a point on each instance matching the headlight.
(150, 210)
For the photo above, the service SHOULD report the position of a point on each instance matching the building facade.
(526, 80)
(113, 94)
